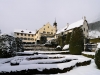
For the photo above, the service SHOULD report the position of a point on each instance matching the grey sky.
(33, 14)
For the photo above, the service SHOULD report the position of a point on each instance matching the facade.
(27, 37)
(69, 28)
(47, 31)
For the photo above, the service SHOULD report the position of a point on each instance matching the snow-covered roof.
(24, 31)
(62, 30)
(71, 26)
(76, 24)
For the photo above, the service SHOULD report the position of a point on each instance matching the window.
(48, 26)
(84, 29)
(44, 28)
(62, 33)
(32, 38)
(48, 32)
(28, 34)
(25, 34)
(32, 35)
(21, 38)
(44, 32)
(28, 38)
(51, 32)
(17, 33)
(21, 34)
(25, 38)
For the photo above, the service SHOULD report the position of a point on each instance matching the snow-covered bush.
(58, 48)
(66, 47)
(7, 46)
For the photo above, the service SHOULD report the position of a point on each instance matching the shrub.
(76, 41)
(58, 48)
(97, 58)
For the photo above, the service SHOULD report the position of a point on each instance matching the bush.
(97, 58)
(76, 41)
(58, 48)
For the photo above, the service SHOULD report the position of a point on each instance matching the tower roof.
(55, 23)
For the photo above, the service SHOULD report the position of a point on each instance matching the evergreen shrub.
(97, 58)
(76, 41)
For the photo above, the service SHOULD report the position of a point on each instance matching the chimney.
(84, 18)
(67, 25)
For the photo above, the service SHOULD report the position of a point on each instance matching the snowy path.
(83, 70)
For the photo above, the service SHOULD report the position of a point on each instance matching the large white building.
(69, 28)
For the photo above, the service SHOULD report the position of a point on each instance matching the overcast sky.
(33, 14)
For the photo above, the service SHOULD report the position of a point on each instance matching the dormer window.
(22, 31)
(64, 29)
(30, 32)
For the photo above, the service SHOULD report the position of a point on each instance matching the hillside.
(94, 26)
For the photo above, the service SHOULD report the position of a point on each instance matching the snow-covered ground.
(32, 64)
(89, 53)
(94, 34)
(83, 70)
(30, 52)
(25, 64)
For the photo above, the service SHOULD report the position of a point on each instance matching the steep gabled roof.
(62, 30)
(76, 24)
(24, 31)
(71, 26)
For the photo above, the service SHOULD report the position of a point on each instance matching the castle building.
(41, 36)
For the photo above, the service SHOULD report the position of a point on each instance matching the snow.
(58, 46)
(24, 31)
(62, 30)
(94, 34)
(31, 52)
(3, 60)
(66, 47)
(26, 65)
(71, 26)
(83, 70)
(76, 24)
(89, 53)
(98, 46)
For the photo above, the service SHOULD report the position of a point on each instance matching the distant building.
(27, 37)
(41, 36)
(47, 32)
(69, 28)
